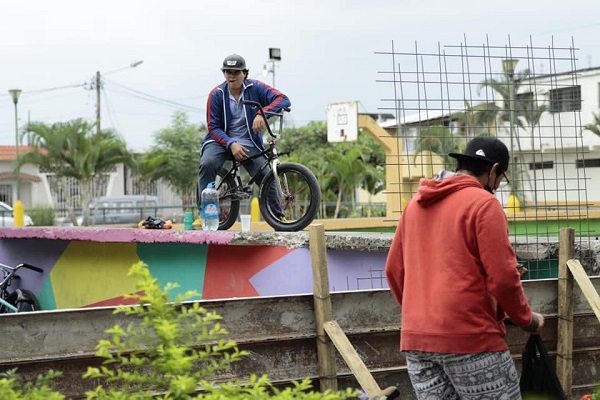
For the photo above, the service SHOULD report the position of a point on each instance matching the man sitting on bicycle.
(234, 129)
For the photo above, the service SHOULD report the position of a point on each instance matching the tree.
(594, 126)
(475, 119)
(75, 150)
(439, 140)
(180, 146)
(365, 160)
(147, 168)
(518, 110)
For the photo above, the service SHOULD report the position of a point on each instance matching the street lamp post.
(509, 66)
(98, 86)
(274, 56)
(14, 94)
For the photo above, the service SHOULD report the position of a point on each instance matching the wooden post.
(323, 311)
(564, 347)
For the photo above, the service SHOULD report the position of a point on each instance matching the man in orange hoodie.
(453, 272)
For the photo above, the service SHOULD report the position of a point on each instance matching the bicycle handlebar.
(13, 270)
(31, 267)
(264, 114)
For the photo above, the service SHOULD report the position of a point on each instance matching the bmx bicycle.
(289, 195)
(19, 300)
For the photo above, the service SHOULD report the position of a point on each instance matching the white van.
(127, 209)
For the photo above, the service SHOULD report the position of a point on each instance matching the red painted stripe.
(211, 131)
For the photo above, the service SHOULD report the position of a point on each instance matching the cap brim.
(232, 68)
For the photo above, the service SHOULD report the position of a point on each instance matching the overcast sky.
(52, 50)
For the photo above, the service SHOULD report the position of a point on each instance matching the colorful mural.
(89, 274)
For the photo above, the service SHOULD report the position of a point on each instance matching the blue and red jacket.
(218, 112)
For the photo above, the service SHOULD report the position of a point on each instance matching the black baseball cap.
(234, 62)
(485, 148)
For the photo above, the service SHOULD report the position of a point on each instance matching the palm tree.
(347, 169)
(147, 168)
(594, 127)
(75, 150)
(521, 113)
(476, 118)
(439, 140)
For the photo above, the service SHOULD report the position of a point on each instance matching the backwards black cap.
(485, 148)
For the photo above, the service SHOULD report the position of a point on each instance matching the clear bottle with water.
(209, 204)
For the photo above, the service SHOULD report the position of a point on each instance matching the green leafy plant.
(13, 387)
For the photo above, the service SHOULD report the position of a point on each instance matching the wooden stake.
(323, 311)
(586, 285)
(349, 354)
(564, 347)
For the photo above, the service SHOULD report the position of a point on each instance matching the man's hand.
(258, 125)
(537, 323)
(239, 152)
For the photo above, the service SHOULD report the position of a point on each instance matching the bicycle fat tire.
(229, 208)
(300, 202)
(27, 303)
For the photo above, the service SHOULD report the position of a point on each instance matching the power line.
(154, 99)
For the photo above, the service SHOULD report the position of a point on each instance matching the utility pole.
(98, 85)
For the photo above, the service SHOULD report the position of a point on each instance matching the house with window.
(557, 160)
(559, 157)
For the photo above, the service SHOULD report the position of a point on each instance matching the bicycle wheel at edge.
(229, 208)
(299, 200)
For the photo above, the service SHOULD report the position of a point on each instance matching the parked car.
(127, 209)
(7, 218)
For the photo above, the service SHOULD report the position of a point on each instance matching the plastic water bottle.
(209, 204)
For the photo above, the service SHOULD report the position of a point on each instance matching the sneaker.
(284, 219)
(197, 224)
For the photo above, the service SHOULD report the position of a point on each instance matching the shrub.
(42, 216)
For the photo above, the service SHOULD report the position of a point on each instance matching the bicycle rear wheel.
(25, 301)
(294, 204)
(229, 205)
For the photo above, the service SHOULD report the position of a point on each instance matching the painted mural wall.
(88, 273)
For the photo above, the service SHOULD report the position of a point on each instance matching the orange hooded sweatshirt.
(453, 271)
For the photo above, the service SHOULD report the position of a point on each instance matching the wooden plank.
(354, 362)
(322, 303)
(564, 348)
(587, 288)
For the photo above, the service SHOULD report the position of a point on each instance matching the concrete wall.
(280, 335)
(87, 267)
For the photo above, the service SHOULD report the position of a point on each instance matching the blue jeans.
(214, 156)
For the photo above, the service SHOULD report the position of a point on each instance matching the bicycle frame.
(10, 273)
(243, 191)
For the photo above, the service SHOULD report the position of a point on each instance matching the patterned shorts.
(483, 376)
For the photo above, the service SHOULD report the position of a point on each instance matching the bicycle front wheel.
(290, 201)
(229, 205)
(25, 301)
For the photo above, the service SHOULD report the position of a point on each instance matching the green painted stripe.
(187, 268)
(46, 296)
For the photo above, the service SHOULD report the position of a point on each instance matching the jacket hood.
(433, 190)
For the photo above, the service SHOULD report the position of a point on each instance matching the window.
(591, 163)
(542, 165)
(565, 99)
